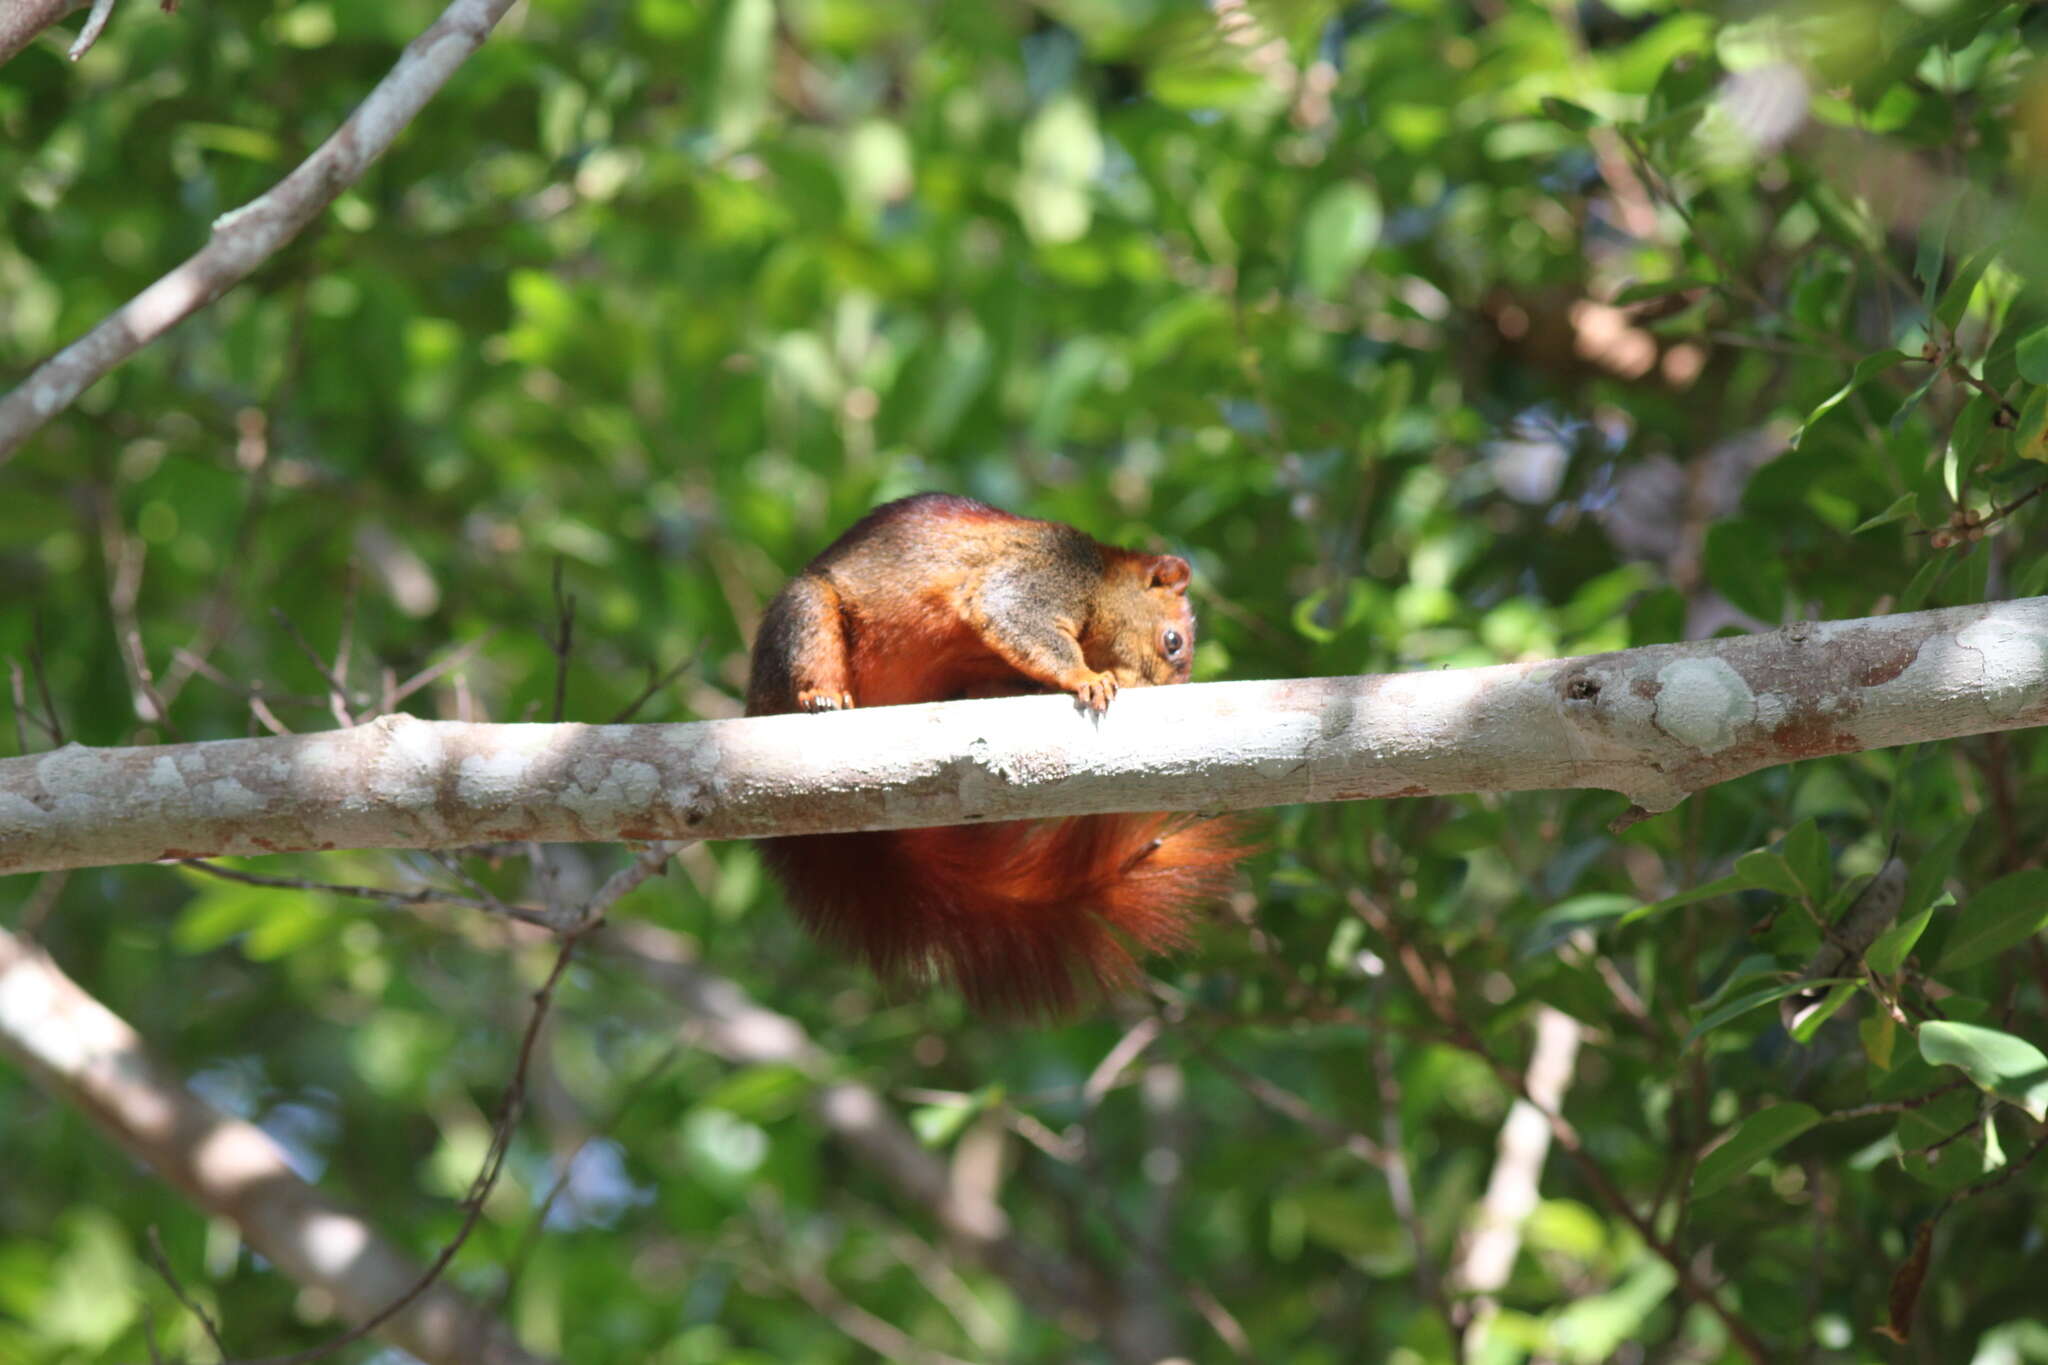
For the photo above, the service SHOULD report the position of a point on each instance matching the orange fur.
(934, 598)
(1025, 917)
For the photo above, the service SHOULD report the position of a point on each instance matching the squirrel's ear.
(1170, 571)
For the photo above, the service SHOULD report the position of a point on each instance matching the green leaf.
(1743, 1004)
(1573, 116)
(1679, 97)
(1924, 581)
(2000, 1064)
(1766, 868)
(1933, 247)
(1966, 442)
(1741, 974)
(1755, 1138)
(2009, 911)
(1567, 917)
(761, 1093)
(740, 97)
(1809, 1022)
(1879, 1032)
(1866, 369)
(1925, 875)
(1806, 854)
(1722, 886)
(1657, 289)
(938, 1124)
(1341, 228)
(1913, 399)
(1902, 506)
(1952, 1123)
(1888, 953)
(1955, 300)
(2030, 436)
(2030, 354)
(1062, 156)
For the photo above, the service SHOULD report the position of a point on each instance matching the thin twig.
(53, 724)
(1866, 1111)
(1990, 1183)
(505, 1121)
(1127, 1050)
(426, 676)
(1290, 1106)
(102, 10)
(884, 1338)
(346, 646)
(654, 685)
(261, 710)
(1433, 983)
(41, 902)
(1429, 1284)
(563, 642)
(243, 239)
(199, 666)
(252, 452)
(138, 661)
(161, 1262)
(428, 895)
(515, 1264)
(21, 715)
(337, 687)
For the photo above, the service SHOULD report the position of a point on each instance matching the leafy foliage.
(1435, 335)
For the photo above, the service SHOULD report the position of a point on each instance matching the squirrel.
(937, 598)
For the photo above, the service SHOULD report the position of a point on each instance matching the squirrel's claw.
(1097, 692)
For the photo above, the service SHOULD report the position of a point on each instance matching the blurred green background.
(1434, 334)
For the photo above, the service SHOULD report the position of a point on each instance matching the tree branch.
(245, 237)
(77, 1049)
(1655, 724)
(726, 1021)
(22, 20)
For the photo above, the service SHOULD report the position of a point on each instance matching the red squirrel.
(936, 598)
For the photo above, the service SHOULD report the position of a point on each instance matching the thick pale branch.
(22, 20)
(1654, 724)
(246, 237)
(83, 1053)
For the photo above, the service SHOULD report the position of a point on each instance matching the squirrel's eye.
(1172, 643)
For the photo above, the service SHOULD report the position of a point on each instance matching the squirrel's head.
(1144, 632)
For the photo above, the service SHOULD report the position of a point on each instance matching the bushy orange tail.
(1025, 918)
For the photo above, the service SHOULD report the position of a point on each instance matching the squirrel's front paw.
(1096, 693)
(810, 699)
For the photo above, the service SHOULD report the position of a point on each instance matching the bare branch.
(53, 724)
(655, 682)
(21, 715)
(77, 1049)
(503, 1125)
(337, 683)
(563, 642)
(426, 676)
(246, 237)
(1655, 723)
(421, 896)
(160, 1261)
(252, 455)
(95, 23)
(22, 20)
(1433, 982)
(1515, 1187)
